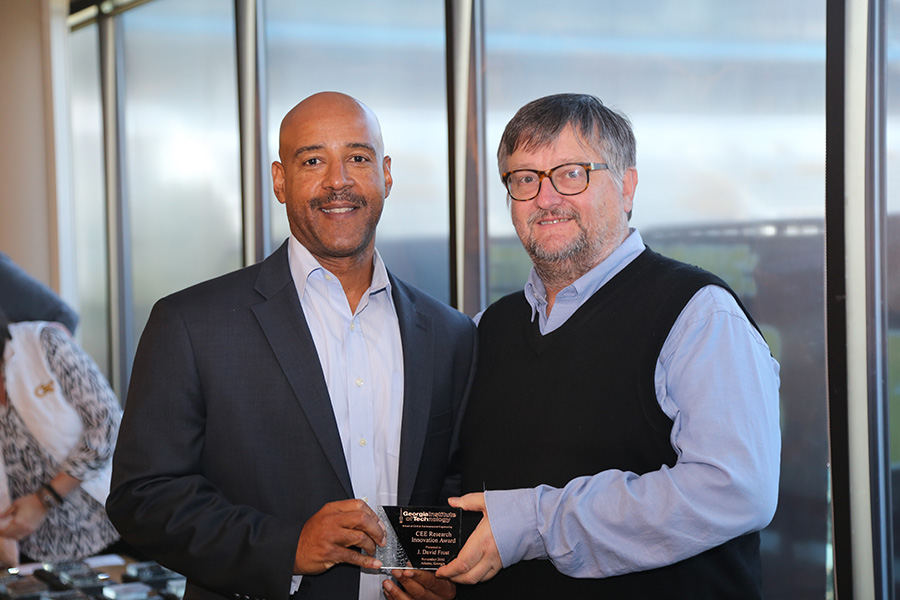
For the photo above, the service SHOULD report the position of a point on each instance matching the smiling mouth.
(554, 221)
(338, 203)
(550, 217)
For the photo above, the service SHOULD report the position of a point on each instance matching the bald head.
(323, 108)
(333, 178)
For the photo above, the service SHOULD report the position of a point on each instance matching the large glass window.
(391, 56)
(728, 106)
(182, 167)
(89, 197)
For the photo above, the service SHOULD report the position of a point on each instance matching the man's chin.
(553, 251)
(349, 248)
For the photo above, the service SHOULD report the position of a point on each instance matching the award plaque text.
(419, 537)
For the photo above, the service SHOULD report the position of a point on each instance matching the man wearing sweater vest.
(622, 435)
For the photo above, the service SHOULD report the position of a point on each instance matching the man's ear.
(278, 180)
(388, 178)
(629, 183)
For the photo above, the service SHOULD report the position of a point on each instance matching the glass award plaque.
(419, 537)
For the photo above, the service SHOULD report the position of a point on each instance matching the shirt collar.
(585, 286)
(303, 264)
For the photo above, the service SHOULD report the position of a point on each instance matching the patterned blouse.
(79, 527)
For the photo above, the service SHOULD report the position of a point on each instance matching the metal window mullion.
(867, 470)
(876, 302)
(121, 316)
(835, 299)
(251, 69)
(469, 205)
(454, 155)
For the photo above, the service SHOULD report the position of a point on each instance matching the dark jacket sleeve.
(163, 502)
(468, 360)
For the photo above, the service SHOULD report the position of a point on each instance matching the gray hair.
(539, 123)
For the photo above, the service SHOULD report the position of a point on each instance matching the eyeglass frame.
(587, 166)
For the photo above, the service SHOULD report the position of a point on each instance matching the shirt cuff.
(295, 583)
(513, 518)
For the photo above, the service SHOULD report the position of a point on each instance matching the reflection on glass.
(728, 106)
(391, 56)
(182, 172)
(89, 199)
(892, 285)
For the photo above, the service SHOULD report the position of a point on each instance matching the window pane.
(182, 170)
(391, 56)
(89, 195)
(728, 105)
(892, 143)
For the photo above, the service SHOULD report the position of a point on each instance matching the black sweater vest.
(580, 400)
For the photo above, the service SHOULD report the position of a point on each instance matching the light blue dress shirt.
(362, 359)
(717, 381)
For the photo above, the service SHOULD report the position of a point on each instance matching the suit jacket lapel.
(282, 320)
(418, 361)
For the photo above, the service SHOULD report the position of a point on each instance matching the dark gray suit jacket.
(229, 442)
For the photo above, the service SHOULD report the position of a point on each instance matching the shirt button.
(359, 382)
(327, 277)
(362, 441)
(365, 499)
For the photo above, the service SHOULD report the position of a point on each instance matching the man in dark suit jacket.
(230, 466)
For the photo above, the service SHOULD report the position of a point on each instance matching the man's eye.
(311, 161)
(525, 178)
(360, 159)
(569, 172)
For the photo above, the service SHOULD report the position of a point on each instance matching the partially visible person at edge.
(58, 425)
(271, 409)
(624, 417)
(24, 298)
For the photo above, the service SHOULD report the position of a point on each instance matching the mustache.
(332, 197)
(556, 213)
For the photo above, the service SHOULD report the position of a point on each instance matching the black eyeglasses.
(568, 179)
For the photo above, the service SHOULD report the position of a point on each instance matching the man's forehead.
(561, 141)
(336, 134)
(536, 139)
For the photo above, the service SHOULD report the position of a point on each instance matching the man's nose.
(337, 176)
(547, 196)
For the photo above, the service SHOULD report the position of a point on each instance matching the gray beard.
(559, 268)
